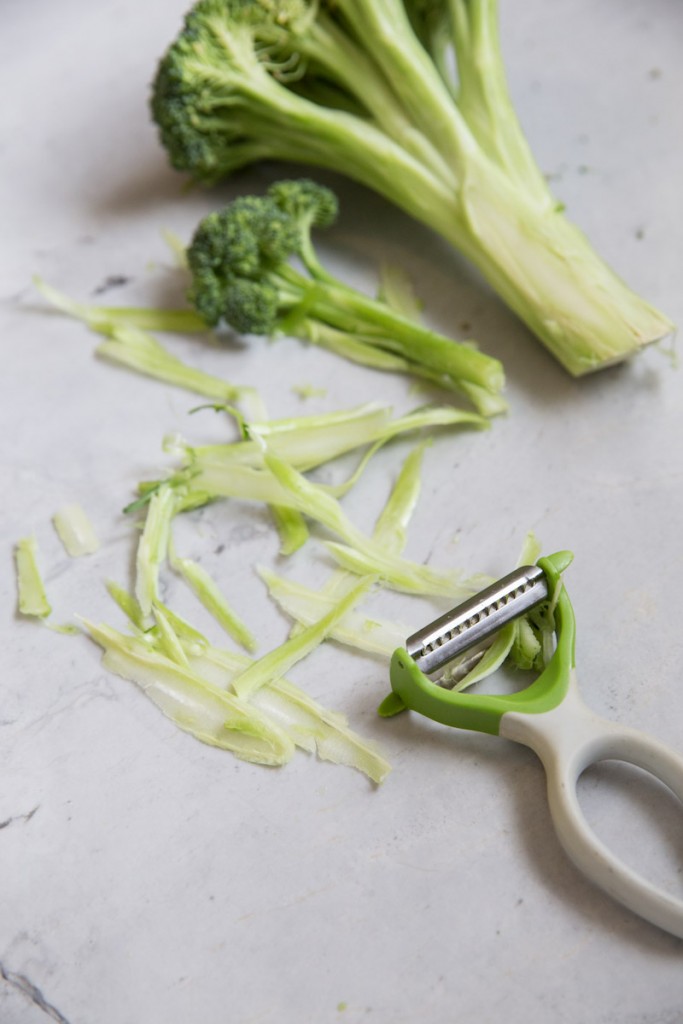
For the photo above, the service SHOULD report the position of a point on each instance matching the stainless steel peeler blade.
(477, 619)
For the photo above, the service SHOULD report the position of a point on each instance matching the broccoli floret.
(239, 259)
(231, 254)
(311, 204)
(250, 307)
(369, 88)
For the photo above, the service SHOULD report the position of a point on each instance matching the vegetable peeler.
(548, 716)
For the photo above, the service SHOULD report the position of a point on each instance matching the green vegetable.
(267, 466)
(128, 604)
(214, 600)
(510, 643)
(242, 274)
(106, 319)
(278, 662)
(153, 546)
(129, 343)
(292, 528)
(75, 531)
(311, 726)
(142, 352)
(167, 639)
(32, 597)
(305, 605)
(390, 530)
(367, 633)
(280, 483)
(366, 87)
(189, 697)
(309, 441)
(196, 705)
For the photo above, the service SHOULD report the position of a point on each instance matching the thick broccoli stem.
(546, 270)
(483, 96)
(507, 221)
(328, 46)
(303, 132)
(541, 265)
(348, 310)
(413, 75)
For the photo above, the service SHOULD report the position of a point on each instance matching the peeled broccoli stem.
(508, 223)
(545, 269)
(347, 310)
(540, 263)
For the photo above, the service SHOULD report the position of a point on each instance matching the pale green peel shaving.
(213, 600)
(75, 531)
(197, 706)
(305, 606)
(308, 723)
(291, 526)
(392, 569)
(32, 597)
(168, 642)
(390, 531)
(153, 547)
(140, 351)
(278, 662)
(400, 573)
(104, 318)
(506, 639)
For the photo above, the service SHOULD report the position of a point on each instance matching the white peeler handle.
(568, 740)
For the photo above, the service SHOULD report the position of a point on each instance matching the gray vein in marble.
(24, 985)
(96, 688)
(19, 817)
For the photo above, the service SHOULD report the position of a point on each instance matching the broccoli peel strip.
(364, 88)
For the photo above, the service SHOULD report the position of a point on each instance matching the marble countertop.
(148, 878)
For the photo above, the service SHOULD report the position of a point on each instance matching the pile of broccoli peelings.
(410, 99)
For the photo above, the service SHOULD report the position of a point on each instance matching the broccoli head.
(205, 92)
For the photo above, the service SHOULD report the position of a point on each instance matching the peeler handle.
(570, 738)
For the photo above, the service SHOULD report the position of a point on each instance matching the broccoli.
(239, 259)
(368, 88)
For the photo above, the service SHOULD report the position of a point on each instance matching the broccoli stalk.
(365, 87)
(240, 257)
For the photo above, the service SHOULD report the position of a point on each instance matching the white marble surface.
(146, 878)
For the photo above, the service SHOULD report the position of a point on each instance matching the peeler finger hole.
(638, 817)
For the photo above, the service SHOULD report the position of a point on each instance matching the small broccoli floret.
(230, 256)
(408, 97)
(306, 201)
(309, 205)
(240, 257)
(251, 307)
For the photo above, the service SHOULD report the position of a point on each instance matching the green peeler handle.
(483, 712)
